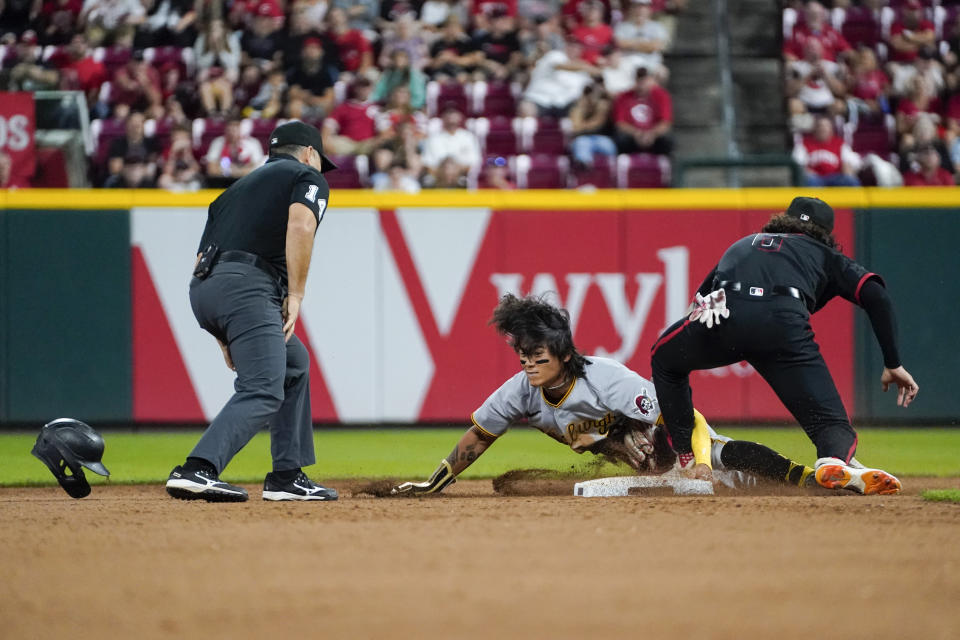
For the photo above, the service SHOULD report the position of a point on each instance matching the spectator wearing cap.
(591, 126)
(556, 81)
(928, 172)
(111, 22)
(181, 171)
(643, 117)
(496, 175)
(352, 127)
(401, 73)
(217, 54)
(232, 155)
(452, 54)
(910, 33)
(30, 72)
(136, 87)
(498, 49)
(452, 141)
(593, 33)
(311, 86)
(355, 51)
(135, 174)
(133, 143)
(58, 20)
(815, 26)
(262, 40)
(826, 159)
(641, 39)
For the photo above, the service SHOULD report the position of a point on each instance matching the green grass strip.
(941, 495)
(147, 457)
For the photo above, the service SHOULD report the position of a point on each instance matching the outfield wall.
(96, 322)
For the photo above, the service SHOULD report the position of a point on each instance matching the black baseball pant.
(771, 333)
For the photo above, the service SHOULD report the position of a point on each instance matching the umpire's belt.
(249, 258)
(760, 292)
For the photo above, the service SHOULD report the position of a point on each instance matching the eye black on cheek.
(543, 361)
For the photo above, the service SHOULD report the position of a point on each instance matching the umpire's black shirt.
(767, 260)
(251, 215)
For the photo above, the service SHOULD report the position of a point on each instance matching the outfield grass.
(941, 495)
(147, 457)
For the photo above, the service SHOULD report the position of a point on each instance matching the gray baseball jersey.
(608, 393)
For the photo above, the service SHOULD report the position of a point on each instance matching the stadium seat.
(642, 171)
(438, 94)
(542, 171)
(351, 172)
(261, 130)
(873, 135)
(499, 136)
(204, 131)
(544, 135)
(160, 57)
(494, 99)
(602, 175)
(115, 57)
(861, 27)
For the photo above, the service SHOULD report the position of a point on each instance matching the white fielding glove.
(708, 310)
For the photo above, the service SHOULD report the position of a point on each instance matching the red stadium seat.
(261, 130)
(499, 136)
(493, 99)
(872, 136)
(115, 57)
(643, 171)
(861, 27)
(542, 171)
(545, 135)
(160, 57)
(439, 94)
(351, 172)
(602, 175)
(204, 131)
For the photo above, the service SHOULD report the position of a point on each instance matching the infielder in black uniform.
(249, 281)
(755, 305)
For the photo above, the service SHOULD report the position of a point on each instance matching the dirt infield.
(129, 562)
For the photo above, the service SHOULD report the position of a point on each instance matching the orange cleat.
(832, 473)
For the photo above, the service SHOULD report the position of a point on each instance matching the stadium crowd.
(417, 94)
(873, 91)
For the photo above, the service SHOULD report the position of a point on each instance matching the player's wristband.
(441, 478)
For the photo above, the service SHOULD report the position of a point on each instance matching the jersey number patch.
(312, 193)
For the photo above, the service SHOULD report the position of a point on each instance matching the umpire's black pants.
(773, 334)
(240, 305)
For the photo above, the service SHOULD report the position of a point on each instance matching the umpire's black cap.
(812, 210)
(303, 134)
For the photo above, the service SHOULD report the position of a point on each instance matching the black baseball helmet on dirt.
(66, 446)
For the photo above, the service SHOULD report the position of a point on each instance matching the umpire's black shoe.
(202, 485)
(300, 488)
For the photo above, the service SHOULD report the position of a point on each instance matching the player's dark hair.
(287, 149)
(782, 223)
(530, 323)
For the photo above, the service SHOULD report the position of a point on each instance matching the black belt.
(776, 290)
(249, 258)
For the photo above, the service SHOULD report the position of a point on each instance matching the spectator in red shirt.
(484, 11)
(594, 34)
(826, 159)
(356, 53)
(644, 117)
(352, 127)
(136, 87)
(928, 173)
(816, 27)
(573, 12)
(81, 71)
(910, 33)
(867, 84)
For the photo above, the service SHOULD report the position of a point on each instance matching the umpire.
(248, 284)
(755, 305)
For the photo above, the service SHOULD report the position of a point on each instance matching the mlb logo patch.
(756, 291)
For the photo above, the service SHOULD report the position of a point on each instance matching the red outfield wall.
(398, 302)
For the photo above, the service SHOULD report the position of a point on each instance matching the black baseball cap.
(303, 134)
(812, 210)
